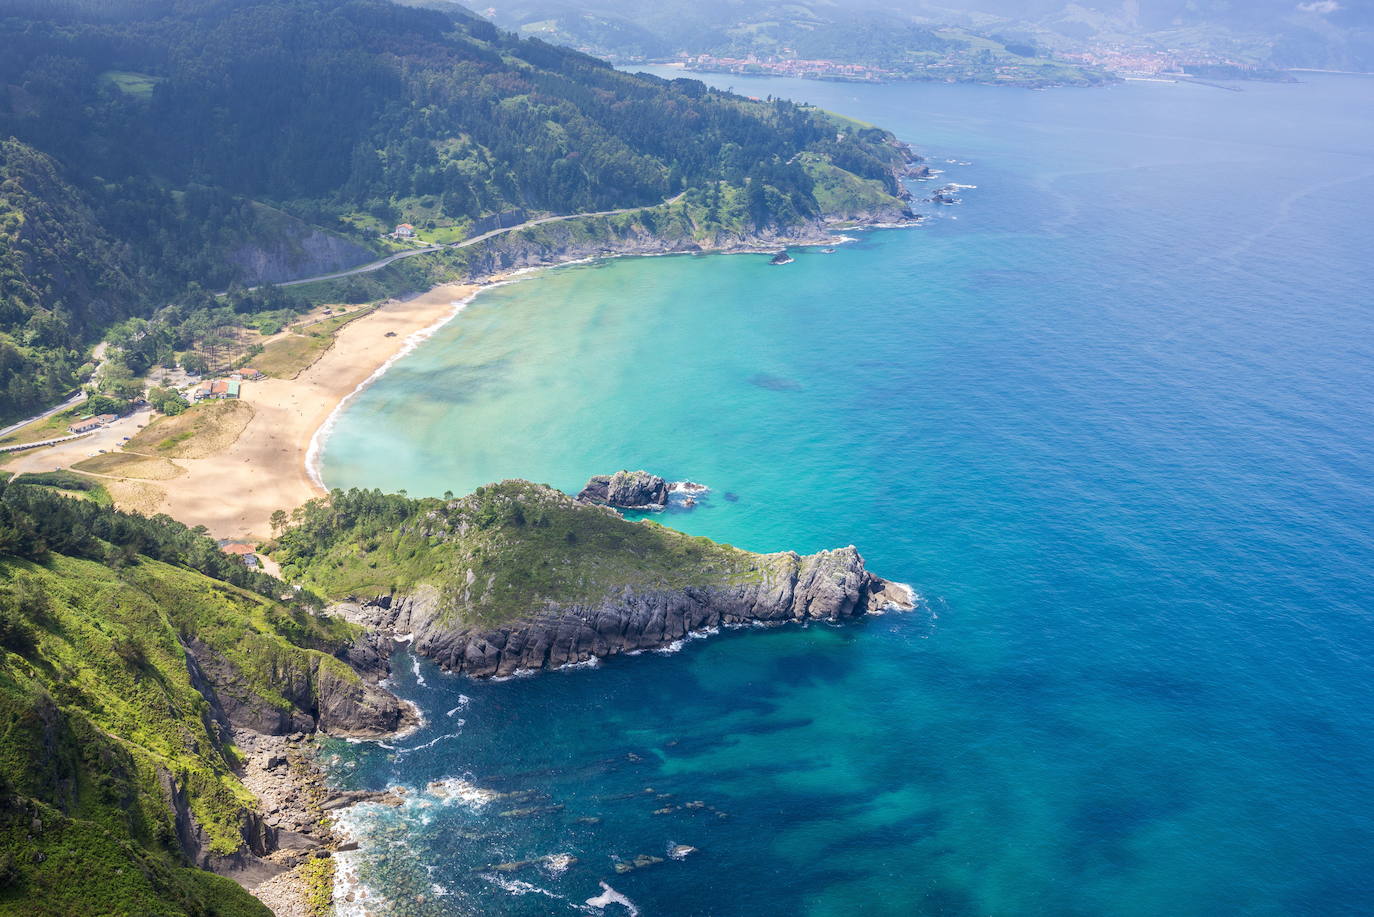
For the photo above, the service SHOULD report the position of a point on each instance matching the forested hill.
(145, 129)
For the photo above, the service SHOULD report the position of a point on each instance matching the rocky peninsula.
(604, 586)
(831, 586)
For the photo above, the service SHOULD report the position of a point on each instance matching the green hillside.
(155, 143)
(499, 553)
(106, 736)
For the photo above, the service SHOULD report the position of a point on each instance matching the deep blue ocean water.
(1112, 417)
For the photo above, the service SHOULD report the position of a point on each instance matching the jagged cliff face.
(128, 696)
(520, 576)
(321, 694)
(288, 249)
(829, 586)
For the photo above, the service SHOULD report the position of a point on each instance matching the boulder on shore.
(626, 490)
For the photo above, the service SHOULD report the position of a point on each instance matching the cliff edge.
(520, 576)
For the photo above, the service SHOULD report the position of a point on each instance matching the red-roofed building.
(244, 552)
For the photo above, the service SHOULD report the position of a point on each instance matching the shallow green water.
(1111, 416)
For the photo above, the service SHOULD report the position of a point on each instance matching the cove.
(1110, 416)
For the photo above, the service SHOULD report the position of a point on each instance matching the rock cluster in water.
(626, 490)
(637, 490)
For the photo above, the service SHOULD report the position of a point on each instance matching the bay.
(1111, 416)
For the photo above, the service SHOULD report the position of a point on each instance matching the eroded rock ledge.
(828, 586)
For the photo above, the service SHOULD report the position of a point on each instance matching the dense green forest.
(113, 746)
(145, 135)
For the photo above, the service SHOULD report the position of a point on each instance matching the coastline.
(274, 464)
(265, 468)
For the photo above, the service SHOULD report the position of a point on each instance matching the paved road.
(392, 259)
(98, 357)
(364, 269)
(70, 402)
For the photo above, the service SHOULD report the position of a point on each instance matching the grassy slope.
(509, 548)
(202, 430)
(289, 356)
(124, 465)
(95, 701)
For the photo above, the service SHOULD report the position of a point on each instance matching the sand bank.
(234, 493)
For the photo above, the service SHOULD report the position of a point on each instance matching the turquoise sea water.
(1113, 417)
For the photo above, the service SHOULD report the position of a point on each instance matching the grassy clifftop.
(504, 551)
(113, 750)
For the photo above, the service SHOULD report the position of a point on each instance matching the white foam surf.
(913, 599)
(519, 886)
(435, 741)
(611, 896)
(458, 790)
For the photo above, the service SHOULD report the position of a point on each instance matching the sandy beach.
(235, 492)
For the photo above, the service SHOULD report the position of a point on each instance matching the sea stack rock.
(626, 490)
(782, 258)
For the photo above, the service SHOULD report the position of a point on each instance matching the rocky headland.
(637, 490)
(525, 577)
(830, 586)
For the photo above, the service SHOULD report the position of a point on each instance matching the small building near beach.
(244, 552)
(85, 425)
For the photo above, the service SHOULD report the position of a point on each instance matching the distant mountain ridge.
(1277, 33)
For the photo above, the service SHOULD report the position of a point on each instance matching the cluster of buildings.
(1139, 60)
(225, 388)
(812, 69)
(91, 423)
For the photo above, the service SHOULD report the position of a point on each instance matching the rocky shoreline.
(288, 862)
(830, 586)
(555, 244)
(552, 244)
(287, 857)
(296, 803)
(286, 838)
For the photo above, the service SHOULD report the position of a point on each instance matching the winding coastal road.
(97, 357)
(392, 259)
(362, 269)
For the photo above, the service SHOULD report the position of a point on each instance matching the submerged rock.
(639, 862)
